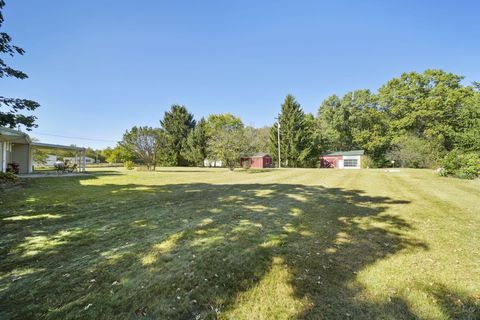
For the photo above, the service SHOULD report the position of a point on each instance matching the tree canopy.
(415, 119)
(145, 143)
(177, 124)
(228, 145)
(12, 109)
(195, 148)
(294, 146)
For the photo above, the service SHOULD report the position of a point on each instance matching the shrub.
(129, 165)
(367, 162)
(410, 151)
(246, 164)
(8, 177)
(461, 165)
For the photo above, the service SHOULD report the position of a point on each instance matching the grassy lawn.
(207, 243)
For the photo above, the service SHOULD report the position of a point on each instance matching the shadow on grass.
(200, 170)
(193, 250)
(253, 171)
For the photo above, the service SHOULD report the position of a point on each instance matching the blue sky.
(100, 67)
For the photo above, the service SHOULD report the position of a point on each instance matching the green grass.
(209, 243)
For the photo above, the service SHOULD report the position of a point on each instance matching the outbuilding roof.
(257, 155)
(346, 153)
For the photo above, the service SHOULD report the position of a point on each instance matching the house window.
(350, 163)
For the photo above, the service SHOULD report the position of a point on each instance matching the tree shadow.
(454, 304)
(185, 251)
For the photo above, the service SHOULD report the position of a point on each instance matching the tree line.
(415, 120)
(180, 140)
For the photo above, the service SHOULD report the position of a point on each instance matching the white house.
(15, 147)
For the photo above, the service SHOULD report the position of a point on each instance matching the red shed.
(259, 160)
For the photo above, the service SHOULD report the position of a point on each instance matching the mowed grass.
(212, 244)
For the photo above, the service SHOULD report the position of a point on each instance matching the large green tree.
(335, 125)
(354, 122)
(408, 150)
(294, 135)
(314, 141)
(145, 143)
(177, 124)
(217, 123)
(258, 139)
(118, 154)
(195, 148)
(426, 104)
(12, 109)
(467, 133)
(228, 145)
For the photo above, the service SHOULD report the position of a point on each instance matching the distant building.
(48, 161)
(259, 160)
(212, 163)
(88, 160)
(342, 159)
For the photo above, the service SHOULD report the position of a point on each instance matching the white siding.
(348, 161)
(3, 156)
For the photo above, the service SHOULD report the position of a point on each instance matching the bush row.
(461, 165)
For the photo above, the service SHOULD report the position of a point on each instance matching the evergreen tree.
(294, 136)
(176, 123)
(195, 149)
(314, 143)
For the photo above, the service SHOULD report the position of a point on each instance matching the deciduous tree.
(228, 145)
(425, 104)
(258, 139)
(145, 143)
(219, 122)
(354, 122)
(12, 109)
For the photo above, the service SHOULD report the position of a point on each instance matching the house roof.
(346, 153)
(257, 155)
(14, 136)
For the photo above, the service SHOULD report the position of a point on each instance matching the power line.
(69, 137)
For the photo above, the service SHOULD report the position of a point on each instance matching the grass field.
(207, 243)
